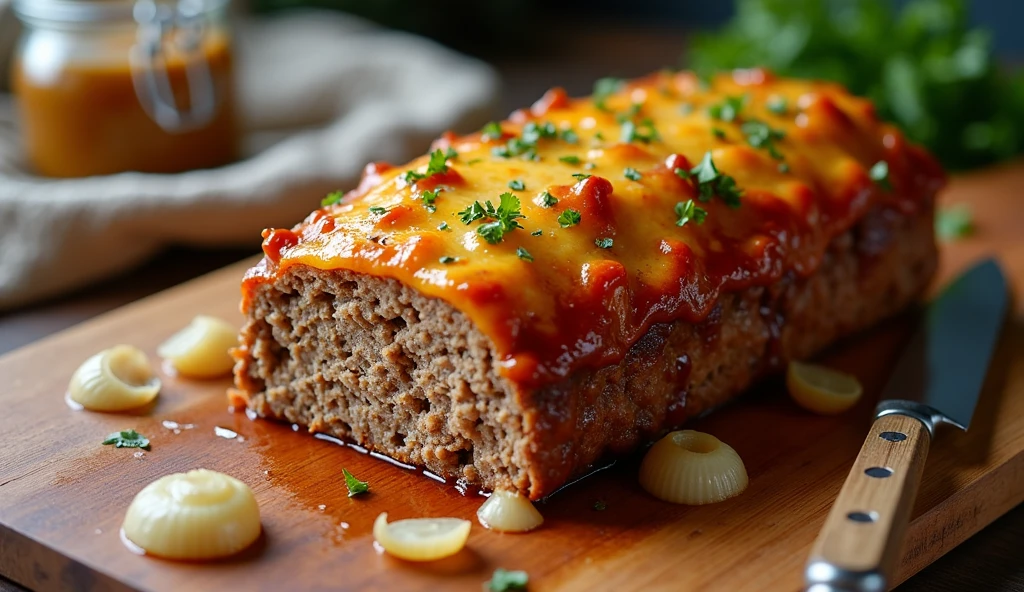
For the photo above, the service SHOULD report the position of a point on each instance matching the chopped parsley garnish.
(718, 133)
(546, 200)
(332, 198)
(537, 232)
(954, 222)
(604, 243)
(569, 217)
(127, 439)
(438, 164)
(641, 132)
(783, 167)
(516, 185)
(443, 226)
(569, 136)
(686, 108)
(581, 176)
(491, 232)
(447, 259)
(632, 174)
(687, 211)
(429, 197)
(524, 254)
(590, 166)
(534, 131)
(378, 210)
(355, 486)
(760, 135)
(492, 131)
(710, 182)
(569, 159)
(504, 217)
(505, 580)
(879, 173)
(473, 161)
(599, 135)
(629, 114)
(604, 88)
(729, 109)
(526, 144)
(778, 105)
(473, 211)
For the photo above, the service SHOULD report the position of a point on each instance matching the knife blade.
(937, 380)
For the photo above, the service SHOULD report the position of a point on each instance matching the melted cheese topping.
(577, 304)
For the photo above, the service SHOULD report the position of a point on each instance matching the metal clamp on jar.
(106, 86)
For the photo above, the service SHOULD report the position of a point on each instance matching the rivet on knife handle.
(863, 535)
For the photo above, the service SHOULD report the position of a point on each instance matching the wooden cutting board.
(63, 495)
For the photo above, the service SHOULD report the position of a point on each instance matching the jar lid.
(100, 11)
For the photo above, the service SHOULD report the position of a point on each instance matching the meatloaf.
(572, 282)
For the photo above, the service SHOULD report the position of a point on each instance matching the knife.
(937, 381)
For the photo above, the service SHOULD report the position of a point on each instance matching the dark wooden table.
(991, 561)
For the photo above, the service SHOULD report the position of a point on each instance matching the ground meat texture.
(371, 360)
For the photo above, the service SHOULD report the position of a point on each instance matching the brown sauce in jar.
(87, 119)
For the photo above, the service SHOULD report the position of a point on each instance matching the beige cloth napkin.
(321, 95)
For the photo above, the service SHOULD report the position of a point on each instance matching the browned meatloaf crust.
(372, 360)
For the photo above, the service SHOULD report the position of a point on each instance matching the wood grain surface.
(63, 496)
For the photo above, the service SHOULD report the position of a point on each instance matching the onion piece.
(693, 468)
(421, 539)
(200, 514)
(116, 379)
(202, 348)
(509, 511)
(822, 390)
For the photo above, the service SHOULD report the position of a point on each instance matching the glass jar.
(105, 86)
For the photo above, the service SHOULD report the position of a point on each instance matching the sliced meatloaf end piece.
(373, 361)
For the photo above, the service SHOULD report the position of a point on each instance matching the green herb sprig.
(711, 182)
(503, 219)
(604, 88)
(438, 164)
(355, 486)
(569, 217)
(728, 109)
(687, 211)
(127, 439)
(760, 135)
(505, 580)
(428, 198)
(331, 199)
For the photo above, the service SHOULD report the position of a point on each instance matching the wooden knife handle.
(861, 541)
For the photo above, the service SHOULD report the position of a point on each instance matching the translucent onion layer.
(116, 379)
(201, 349)
(509, 511)
(693, 468)
(822, 390)
(421, 539)
(200, 514)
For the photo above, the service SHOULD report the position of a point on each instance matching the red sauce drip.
(276, 240)
(451, 178)
(555, 98)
